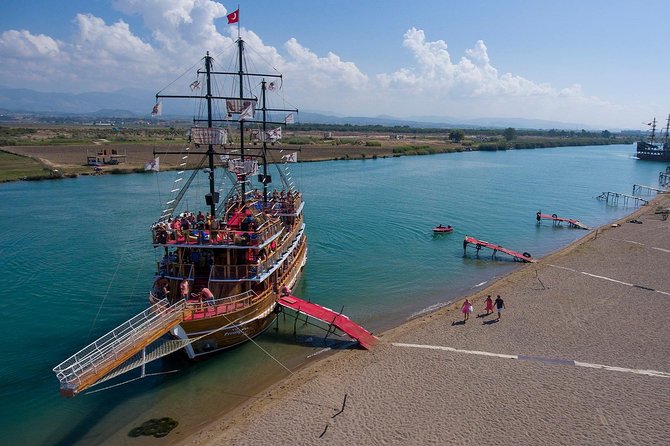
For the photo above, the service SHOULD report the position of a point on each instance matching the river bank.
(48, 162)
(580, 356)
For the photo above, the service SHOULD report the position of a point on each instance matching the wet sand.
(581, 355)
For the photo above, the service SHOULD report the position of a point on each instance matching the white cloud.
(324, 72)
(24, 45)
(104, 57)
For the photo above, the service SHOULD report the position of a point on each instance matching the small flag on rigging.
(156, 111)
(291, 157)
(195, 85)
(289, 119)
(152, 165)
(248, 111)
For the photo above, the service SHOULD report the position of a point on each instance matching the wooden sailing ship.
(653, 150)
(222, 271)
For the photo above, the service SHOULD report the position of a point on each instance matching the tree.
(509, 134)
(606, 134)
(456, 135)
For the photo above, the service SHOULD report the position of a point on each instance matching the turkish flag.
(234, 16)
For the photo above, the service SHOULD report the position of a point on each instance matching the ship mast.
(211, 198)
(667, 128)
(653, 130)
(240, 50)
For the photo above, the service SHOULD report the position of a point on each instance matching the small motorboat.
(442, 229)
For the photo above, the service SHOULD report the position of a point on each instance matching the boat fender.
(554, 215)
(526, 255)
(278, 309)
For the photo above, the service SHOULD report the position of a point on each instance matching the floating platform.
(556, 219)
(365, 339)
(479, 244)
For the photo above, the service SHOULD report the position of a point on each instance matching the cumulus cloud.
(107, 56)
(472, 75)
(324, 72)
(24, 45)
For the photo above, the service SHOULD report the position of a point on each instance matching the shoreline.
(297, 390)
(62, 162)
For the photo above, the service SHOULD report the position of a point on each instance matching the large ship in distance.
(653, 150)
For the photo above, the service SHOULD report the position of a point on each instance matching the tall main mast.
(212, 198)
(240, 49)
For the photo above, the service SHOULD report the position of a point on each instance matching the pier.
(614, 197)
(637, 188)
(557, 220)
(479, 244)
(664, 178)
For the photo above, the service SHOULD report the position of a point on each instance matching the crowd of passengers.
(192, 225)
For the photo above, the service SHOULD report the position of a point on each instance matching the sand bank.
(538, 376)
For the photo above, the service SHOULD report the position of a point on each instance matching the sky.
(601, 63)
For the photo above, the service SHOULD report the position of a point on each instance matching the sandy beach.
(580, 356)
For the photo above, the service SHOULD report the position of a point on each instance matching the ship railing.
(223, 305)
(175, 270)
(254, 270)
(113, 346)
(208, 237)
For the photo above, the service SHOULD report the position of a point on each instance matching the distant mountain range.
(130, 103)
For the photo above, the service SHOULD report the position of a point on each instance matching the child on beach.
(500, 305)
(466, 309)
(489, 305)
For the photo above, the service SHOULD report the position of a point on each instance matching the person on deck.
(205, 295)
(162, 287)
(184, 288)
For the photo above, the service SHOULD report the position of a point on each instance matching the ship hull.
(218, 329)
(652, 152)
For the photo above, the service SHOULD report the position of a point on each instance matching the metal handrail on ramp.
(93, 362)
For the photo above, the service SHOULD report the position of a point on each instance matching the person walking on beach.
(500, 305)
(466, 309)
(489, 305)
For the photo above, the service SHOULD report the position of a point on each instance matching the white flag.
(289, 119)
(274, 134)
(291, 157)
(248, 111)
(158, 108)
(195, 85)
(152, 165)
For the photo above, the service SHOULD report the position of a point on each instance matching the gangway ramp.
(96, 361)
(365, 339)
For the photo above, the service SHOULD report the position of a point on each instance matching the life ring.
(526, 255)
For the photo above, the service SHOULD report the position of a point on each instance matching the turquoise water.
(76, 261)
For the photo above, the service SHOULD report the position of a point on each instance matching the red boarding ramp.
(572, 222)
(516, 255)
(328, 316)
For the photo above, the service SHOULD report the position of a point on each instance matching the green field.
(15, 167)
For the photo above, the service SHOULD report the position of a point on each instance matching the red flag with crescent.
(234, 16)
